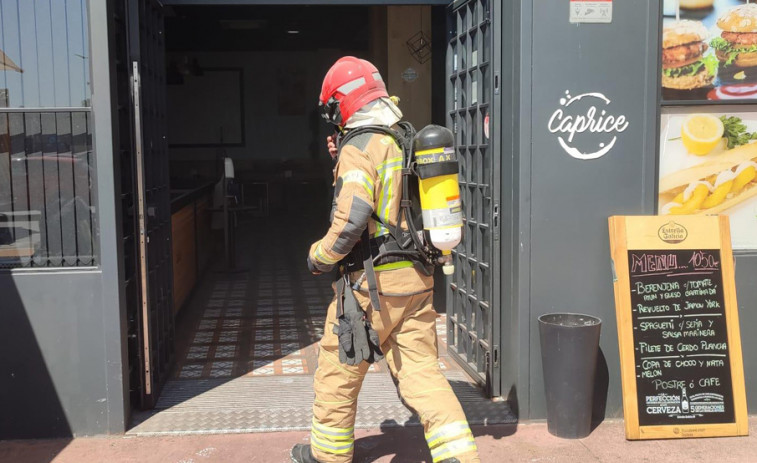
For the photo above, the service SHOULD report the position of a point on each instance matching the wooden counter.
(191, 241)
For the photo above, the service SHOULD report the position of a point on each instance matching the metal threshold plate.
(284, 403)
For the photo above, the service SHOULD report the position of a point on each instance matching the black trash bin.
(569, 346)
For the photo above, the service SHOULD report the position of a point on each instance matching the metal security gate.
(473, 109)
(145, 198)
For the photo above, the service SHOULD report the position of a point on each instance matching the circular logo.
(409, 75)
(586, 118)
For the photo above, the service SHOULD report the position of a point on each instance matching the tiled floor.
(264, 322)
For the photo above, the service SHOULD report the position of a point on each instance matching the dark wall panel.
(571, 198)
(52, 355)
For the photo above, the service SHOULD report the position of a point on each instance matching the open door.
(146, 205)
(473, 109)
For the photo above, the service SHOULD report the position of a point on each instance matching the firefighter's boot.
(301, 454)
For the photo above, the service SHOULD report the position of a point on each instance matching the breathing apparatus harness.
(398, 244)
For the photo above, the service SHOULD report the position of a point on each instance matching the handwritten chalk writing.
(683, 347)
(642, 288)
(646, 263)
(644, 326)
(701, 292)
(693, 305)
(713, 345)
(650, 364)
(696, 284)
(646, 348)
(652, 308)
(698, 333)
(700, 260)
(705, 382)
(679, 336)
(660, 384)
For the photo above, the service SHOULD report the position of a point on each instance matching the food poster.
(708, 165)
(709, 50)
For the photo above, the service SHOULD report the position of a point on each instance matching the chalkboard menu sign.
(678, 327)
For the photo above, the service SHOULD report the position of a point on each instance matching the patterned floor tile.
(207, 324)
(221, 369)
(228, 336)
(225, 351)
(203, 337)
(191, 371)
(263, 350)
(198, 352)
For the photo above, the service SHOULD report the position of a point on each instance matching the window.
(46, 158)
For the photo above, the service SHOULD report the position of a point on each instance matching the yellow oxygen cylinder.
(437, 168)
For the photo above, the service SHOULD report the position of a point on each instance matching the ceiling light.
(293, 31)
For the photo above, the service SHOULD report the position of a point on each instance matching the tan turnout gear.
(367, 180)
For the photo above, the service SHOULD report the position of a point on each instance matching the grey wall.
(564, 202)
(52, 354)
(746, 293)
(62, 342)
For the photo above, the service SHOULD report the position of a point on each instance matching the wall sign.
(409, 75)
(708, 165)
(590, 11)
(588, 115)
(678, 331)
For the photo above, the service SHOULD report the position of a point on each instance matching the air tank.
(437, 168)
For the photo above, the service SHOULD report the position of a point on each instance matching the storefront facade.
(539, 191)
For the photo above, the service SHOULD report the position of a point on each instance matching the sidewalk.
(529, 443)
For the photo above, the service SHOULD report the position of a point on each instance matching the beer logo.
(592, 116)
(672, 233)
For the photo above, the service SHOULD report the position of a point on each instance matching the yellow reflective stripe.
(327, 438)
(446, 432)
(321, 256)
(456, 447)
(430, 151)
(328, 430)
(386, 170)
(332, 440)
(330, 448)
(393, 265)
(361, 178)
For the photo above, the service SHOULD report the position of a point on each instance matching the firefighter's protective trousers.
(367, 181)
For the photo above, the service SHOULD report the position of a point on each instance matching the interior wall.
(278, 124)
(403, 22)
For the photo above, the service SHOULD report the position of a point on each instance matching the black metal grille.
(46, 189)
(469, 100)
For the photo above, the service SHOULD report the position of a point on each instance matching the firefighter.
(367, 181)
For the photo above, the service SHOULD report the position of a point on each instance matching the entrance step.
(245, 404)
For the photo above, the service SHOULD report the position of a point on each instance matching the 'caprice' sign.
(594, 120)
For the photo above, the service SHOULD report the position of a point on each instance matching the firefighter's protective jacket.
(367, 179)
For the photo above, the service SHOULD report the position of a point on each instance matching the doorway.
(232, 336)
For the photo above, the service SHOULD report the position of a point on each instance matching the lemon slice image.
(701, 133)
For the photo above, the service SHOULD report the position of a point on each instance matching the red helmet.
(350, 83)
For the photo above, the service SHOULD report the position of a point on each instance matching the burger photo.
(736, 48)
(685, 67)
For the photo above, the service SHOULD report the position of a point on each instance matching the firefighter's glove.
(358, 341)
(316, 268)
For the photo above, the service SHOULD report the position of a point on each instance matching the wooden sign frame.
(692, 233)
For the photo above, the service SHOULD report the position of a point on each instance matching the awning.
(6, 64)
